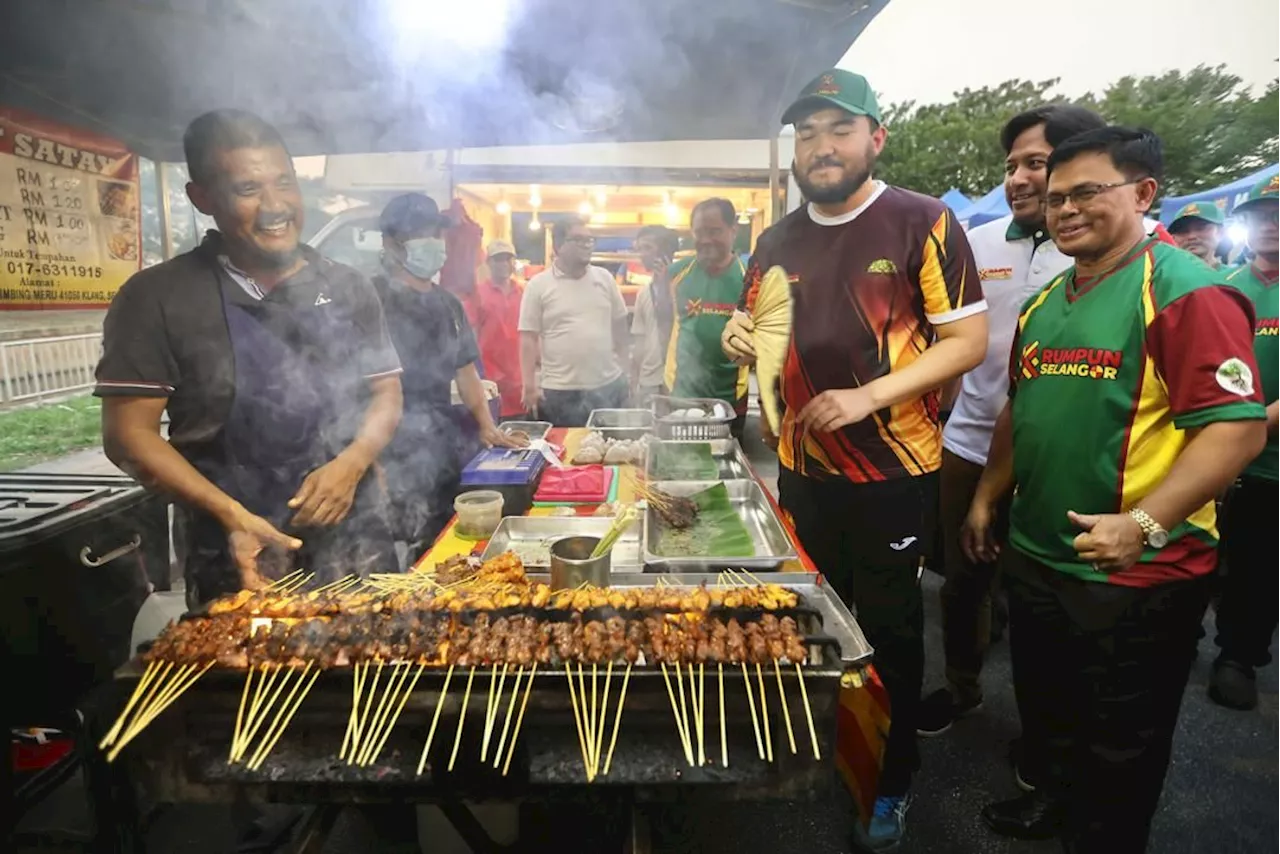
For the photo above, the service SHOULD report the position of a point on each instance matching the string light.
(535, 224)
(535, 197)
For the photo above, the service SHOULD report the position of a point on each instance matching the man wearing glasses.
(1247, 611)
(573, 333)
(1133, 403)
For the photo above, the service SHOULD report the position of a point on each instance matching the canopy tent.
(355, 76)
(1225, 197)
(956, 200)
(991, 206)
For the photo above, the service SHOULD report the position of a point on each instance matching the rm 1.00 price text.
(37, 268)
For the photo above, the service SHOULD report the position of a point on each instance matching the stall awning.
(380, 75)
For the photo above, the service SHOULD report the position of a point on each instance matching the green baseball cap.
(1266, 190)
(835, 88)
(1207, 211)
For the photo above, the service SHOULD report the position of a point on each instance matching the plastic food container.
(479, 513)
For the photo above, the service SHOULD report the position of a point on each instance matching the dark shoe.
(888, 824)
(1233, 685)
(1030, 816)
(940, 710)
(1021, 777)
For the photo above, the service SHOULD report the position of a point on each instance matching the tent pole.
(773, 180)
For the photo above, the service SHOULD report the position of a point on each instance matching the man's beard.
(840, 191)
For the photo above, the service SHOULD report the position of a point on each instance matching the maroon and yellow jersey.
(868, 289)
(1107, 377)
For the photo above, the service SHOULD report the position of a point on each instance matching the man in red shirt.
(496, 329)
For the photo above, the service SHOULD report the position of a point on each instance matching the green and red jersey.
(1261, 289)
(1106, 378)
(696, 366)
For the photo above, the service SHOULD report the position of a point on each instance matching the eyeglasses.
(1084, 194)
(581, 240)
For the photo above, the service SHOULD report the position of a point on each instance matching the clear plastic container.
(479, 513)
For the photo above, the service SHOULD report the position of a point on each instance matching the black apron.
(279, 428)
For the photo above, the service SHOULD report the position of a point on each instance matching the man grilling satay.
(275, 367)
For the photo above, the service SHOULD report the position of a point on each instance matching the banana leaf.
(718, 532)
(684, 462)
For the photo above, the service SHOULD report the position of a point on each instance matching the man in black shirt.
(276, 369)
(437, 345)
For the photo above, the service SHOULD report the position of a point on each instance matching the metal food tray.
(621, 423)
(523, 529)
(727, 453)
(773, 546)
(534, 429)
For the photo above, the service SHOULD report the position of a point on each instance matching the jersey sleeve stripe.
(957, 314)
(933, 279)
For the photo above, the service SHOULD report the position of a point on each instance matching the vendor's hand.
(766, 434)
(531, 397)
(837, 408)
(247, 536)
(1111, 542)
(977, 534)
(495, 438)
(735, 340)
(328, 492)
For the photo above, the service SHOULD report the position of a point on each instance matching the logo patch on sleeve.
(1235, 376)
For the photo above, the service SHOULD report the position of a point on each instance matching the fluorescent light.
(503, 207)
(535, 224)
(584, 208)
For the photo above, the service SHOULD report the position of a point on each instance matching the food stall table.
(863, 713)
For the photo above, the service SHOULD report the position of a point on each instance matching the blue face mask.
(424, 256)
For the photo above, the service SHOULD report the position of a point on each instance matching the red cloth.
(497, 332)
(464, 250)
(584, 484)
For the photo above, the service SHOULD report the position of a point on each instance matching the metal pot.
(572, 564)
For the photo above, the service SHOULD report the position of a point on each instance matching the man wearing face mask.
(275, 367)
(424, 461)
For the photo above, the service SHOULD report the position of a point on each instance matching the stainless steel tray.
(727, 453)
(534, 429)
(773, 546)
(530, 530)
(621, 423)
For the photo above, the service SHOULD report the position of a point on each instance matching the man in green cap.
(1247, 612)
(1197, 228)
(887, 309)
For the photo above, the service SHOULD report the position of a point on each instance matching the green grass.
(30, 436)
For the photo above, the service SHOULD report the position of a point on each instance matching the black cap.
(410, 214)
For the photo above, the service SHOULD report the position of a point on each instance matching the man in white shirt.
(653, 318)
(1015, 259)
(574, 339)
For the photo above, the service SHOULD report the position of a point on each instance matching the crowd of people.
(1057, 399)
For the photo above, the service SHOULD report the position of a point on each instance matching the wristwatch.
(1153, 535)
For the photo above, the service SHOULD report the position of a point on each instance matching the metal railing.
(35, 368)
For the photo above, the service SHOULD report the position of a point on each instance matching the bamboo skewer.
(515, 695)
(389, 696)
(764, 714)
(363, 720)
(145, 716)
(684, 715)
(238, 733)
(488, 712)
(281, 582)
(808, 713)
(675, 710)
(435, 719)
(595, 713)
(266, 749)
(617, 719)
(604, 715)
(577, 719)
(786, 712)
(173, 691)
(524, 704)
(386, 730)
(260, 717)
(586, 721)
(114, 732)
(755, 721)
(695, 701)
(462, 718)
(724, 739)
(148, 699)
(357, 691)
(280, 715)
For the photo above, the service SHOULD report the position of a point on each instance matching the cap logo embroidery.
(827, 86)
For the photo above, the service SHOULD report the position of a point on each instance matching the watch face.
(1158, 539)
